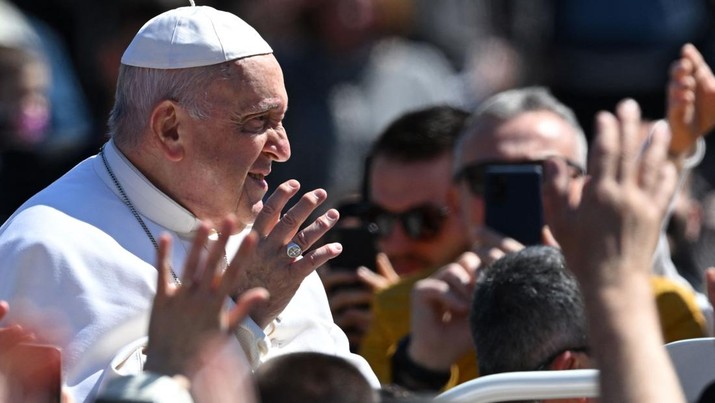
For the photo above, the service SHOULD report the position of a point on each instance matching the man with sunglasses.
(522, 126)
(413, 210)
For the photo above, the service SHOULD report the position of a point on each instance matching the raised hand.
(268, 265)
(440, 304)
(351, 293)
(349, 302)
(622, 205)
(384, 276)
(183, 319)
(691, 100)
(490, 245)
(608, 239)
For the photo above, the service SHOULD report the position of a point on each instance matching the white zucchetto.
(193, 36)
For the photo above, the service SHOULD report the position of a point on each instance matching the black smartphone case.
(513, 201)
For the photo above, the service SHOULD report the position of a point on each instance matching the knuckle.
(323, 223)
(268, 209)
(301, 239)
(289, 219)
(311, 198)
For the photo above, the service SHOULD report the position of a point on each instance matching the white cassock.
(78, 269)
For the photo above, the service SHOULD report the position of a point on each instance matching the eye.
(255, 124)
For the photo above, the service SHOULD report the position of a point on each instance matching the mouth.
(256, 176)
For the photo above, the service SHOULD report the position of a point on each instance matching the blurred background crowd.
(351, 67)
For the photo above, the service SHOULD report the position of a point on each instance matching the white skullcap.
(193, 36)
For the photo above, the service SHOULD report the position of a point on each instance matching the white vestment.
(78, 269)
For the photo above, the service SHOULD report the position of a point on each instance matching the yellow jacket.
(679, 314)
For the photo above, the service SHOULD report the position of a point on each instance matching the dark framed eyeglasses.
(475, 176)
(419, 223)
(545, 363)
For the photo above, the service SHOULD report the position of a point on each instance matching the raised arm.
(608, 239)
(691, 100)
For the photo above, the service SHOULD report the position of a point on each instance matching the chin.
(246, 214)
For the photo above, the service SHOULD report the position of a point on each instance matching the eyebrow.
(263, 107)
(253, 111)
(256, 110)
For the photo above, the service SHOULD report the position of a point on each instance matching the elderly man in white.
(195, 128)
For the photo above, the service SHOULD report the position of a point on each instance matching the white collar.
(147, 199)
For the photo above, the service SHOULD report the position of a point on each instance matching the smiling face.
(227, 156)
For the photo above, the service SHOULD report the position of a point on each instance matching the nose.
(277, 145)
(396, 242)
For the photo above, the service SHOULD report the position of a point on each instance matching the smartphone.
(513, 203)
(359, 247)
(36, 371)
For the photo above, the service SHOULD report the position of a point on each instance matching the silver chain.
(134, 211)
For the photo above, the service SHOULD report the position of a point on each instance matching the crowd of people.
(172, 263)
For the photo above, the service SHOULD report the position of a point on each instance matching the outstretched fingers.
(315, 258)
(630, 139)
(215, 260)
(163, 265)
(385, 268)
(271, 212)
(243, 255)
(606, 144)
(191, 265)
(245, 304)
(309, 235)
(701, 70)
(654, 161)
(287, 228)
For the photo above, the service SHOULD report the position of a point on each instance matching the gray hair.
(509, 104)
(139, 89)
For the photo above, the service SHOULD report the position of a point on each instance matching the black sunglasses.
(474, 174)
(419, 223)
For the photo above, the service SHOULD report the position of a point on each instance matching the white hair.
(139, 89)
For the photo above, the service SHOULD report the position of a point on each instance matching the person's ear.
(571, 360)
(565, 360)
(164, 124)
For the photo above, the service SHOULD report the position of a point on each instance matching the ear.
(164, 124)
(565, 360)
(570, 360)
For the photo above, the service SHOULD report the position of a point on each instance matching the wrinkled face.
(397, 187)
(231, 152)
(531, 136)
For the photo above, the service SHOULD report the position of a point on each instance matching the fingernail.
(320, 194)
(294, 184)
(332, 215)
(338, 247)
(630, 105)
